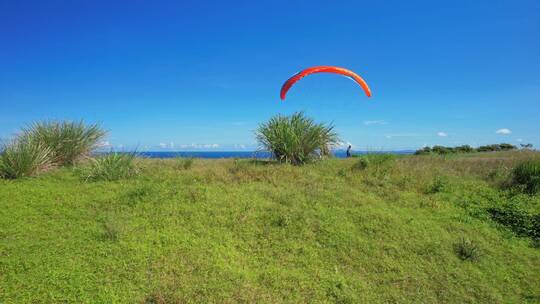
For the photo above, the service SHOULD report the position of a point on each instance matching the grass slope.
(228, 231)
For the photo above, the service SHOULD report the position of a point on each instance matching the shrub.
(423, 151)
(442, 150)
(437, 185)
(527, 176)
(467, 250)
(296, 139)
(464, 149)
(518, 219)
(111, 167)
(496, 147)
(24, 157)
(361, 164)
(69, 142)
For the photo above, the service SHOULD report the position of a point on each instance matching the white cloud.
(519, 140)
(503, 131)
(442, 134)
(375, 122)
(162, 145)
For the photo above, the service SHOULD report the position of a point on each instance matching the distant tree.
(489, 148)
(442, 150)
(526, 146)
(464, 149)
(423, 151)
(507, 147)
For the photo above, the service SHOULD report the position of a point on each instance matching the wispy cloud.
(442, 134)
(375, 122)
(169, 145)
(503, 131)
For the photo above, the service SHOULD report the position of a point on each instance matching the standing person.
(349, 151)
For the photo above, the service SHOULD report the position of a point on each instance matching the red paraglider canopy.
(323, 69)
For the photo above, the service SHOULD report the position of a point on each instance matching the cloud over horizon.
(503, 131)
(442, 134)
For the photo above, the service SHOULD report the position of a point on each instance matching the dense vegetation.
(442, 150)
(44, 145)
(296, 139)
(373, 229)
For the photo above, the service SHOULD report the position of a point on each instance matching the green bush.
(518, 219)
(296, 139)
(361, 164)
(111, 167)
(69, 142)
(464, 149)
(423, 151)
(24, 157)
(527, 176)
(437, 185)
(496, 147)
(442, 150)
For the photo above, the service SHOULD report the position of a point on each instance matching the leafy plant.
(437, 185)
(518, 219)
(68, 142)
(111, 167)
(527, 176)
(24, 157)
(296, 139)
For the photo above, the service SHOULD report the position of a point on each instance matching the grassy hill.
(406, 230)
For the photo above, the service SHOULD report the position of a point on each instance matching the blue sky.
(202, 74)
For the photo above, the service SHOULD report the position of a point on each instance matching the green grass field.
(229, 231)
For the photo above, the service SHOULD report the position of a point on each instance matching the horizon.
(202, 76)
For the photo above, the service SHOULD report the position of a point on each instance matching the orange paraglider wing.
(323, 69)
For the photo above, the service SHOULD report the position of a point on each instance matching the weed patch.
(526, 176)
(467, 250)
(111, 167)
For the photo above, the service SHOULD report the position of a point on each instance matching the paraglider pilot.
(349, 151)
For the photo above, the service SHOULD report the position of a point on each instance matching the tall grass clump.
(69, 142)
(377, 161)
(527, 176)
(467, 250)
(296, 139)
(23, 157)
(111, 167)
(184, 163)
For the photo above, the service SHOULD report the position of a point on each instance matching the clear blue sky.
(203, 74)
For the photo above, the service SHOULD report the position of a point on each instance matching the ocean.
(242, 154)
